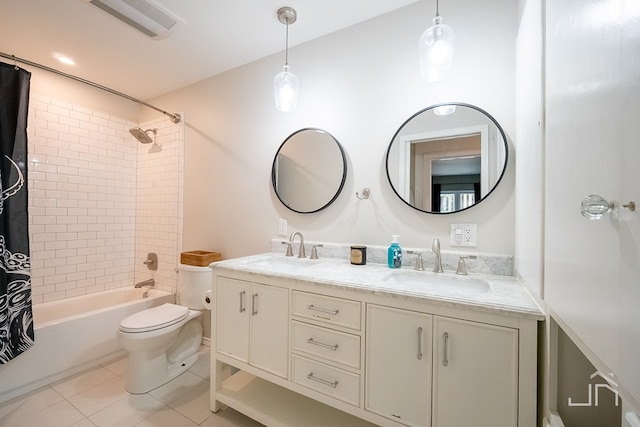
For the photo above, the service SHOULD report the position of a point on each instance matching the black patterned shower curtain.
(16, 318)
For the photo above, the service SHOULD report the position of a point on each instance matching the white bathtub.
(73, 335)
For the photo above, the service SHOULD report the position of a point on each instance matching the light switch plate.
(465, 235)
(282, 227)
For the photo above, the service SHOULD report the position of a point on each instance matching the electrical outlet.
(465, 235)
(282, 227)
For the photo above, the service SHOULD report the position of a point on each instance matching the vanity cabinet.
(398, 358)
(475, 374)
(293, 351)
(253, 324)
(471, 369)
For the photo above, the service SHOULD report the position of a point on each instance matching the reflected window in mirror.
(309, 170)
(445, 163)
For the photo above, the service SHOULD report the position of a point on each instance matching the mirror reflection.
(309, 170)
(447, 158)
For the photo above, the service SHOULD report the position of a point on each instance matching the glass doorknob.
(595, 207)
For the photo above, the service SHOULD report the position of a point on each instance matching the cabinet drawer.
(331, 310)
(326, 379)
(326, 343)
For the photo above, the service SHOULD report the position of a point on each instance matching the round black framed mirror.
(309, 170)
(447, 158)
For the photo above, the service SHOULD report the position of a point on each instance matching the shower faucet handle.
(152, 261)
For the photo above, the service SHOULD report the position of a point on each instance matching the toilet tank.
(193, 282)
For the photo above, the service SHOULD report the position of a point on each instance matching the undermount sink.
(283, 263)
(439, 283)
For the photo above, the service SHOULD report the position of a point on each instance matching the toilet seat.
(154, 318)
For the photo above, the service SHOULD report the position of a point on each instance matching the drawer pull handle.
(333, 347)
(323, 310)
(419, 355)
(321, 381)
(445, 350)
(242, 301)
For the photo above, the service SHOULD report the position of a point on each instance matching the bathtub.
(73, 335)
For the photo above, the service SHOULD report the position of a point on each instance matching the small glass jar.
(358, 255)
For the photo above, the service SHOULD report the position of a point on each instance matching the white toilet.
(163, 341)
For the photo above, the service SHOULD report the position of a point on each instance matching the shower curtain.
(16, 319)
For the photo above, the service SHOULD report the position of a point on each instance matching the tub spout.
(148, 283)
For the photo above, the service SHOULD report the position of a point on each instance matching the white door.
(270, 328)
(398, 365)
(475, 374)
(232, 319)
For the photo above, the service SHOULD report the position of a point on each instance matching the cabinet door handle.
(333, 347)
(323, 310)
(321, 381)
(419, 355)
(445, 349)
(254, 304)
(242, 293)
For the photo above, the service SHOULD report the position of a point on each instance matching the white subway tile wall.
(90, 199)
(159, 203)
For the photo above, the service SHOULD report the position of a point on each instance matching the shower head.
(142, 135)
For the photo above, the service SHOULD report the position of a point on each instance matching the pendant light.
(436, 49)
(285, 84)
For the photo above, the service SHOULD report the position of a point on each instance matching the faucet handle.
(314, 251)
(419, 262)
(289, 248)
(462, 266)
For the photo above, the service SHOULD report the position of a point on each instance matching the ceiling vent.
(146, 16)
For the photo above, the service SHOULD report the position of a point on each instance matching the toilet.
(163, 341)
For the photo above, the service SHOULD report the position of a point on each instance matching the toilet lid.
(154, 318)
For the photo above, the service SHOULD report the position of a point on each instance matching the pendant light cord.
(286, 44)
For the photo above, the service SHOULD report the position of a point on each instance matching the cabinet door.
(398, 365)
(269, 334)
(475, 374)
(232, 320)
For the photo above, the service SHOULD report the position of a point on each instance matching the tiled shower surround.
(99, 201)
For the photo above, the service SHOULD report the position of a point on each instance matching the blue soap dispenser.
(394, 254)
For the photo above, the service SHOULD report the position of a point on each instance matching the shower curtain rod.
(175, 118)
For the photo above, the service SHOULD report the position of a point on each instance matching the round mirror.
(447, 158)
(309, 170)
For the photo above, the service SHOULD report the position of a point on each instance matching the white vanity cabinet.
(475, 374)
(463, 373)
(253, 324)
(292, 350)
(398, 359)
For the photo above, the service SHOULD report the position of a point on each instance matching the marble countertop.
(482, 292)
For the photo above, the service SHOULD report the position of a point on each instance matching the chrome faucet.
(435, 247)
(301, 253)
(148, 283)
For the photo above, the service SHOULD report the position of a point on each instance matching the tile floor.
(98, 398)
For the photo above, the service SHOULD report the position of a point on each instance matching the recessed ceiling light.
(64, 59)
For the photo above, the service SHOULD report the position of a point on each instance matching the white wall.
(529, 149)
(360, 84)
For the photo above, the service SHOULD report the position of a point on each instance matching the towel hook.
(365, 194)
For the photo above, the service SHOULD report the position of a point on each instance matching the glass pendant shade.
(436, 50)
(285, 86)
